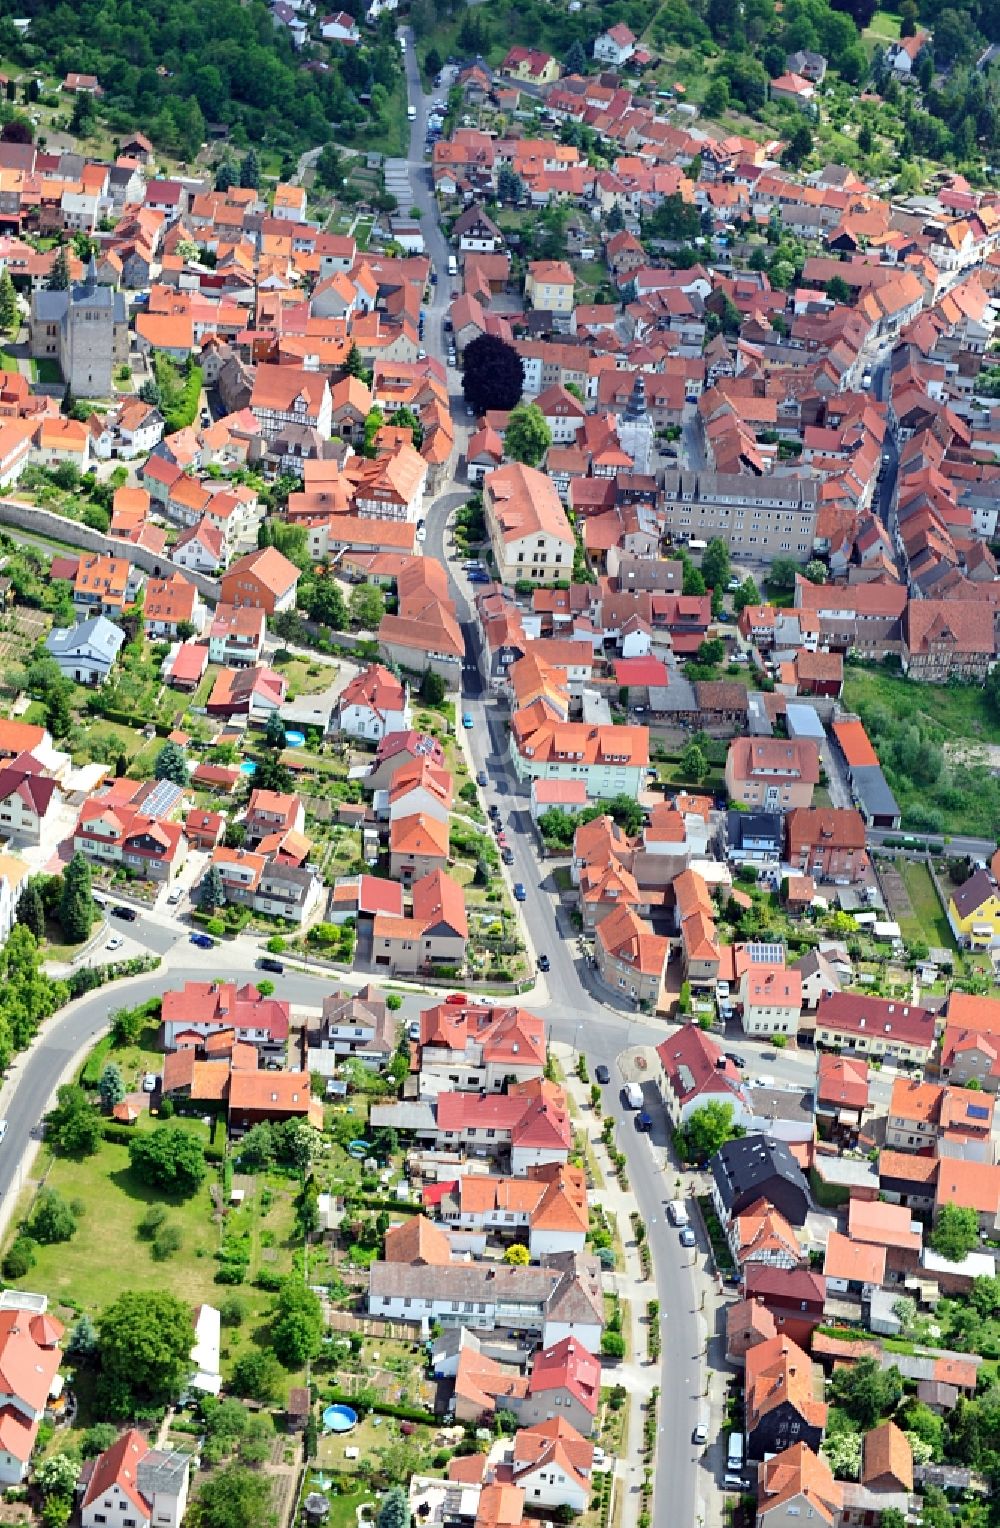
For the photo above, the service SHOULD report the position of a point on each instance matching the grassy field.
(884, 29)
(960, 710)
(928, 920)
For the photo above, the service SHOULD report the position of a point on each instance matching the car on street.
(115, 942)
(644, 1121)
(420, 534)
(456, 999)
(3, 1128)
(482, 778)
(128, 913)
(267, 963)
(502, 840)
(700, 1434)
(687, 1237)
(520, 895)
(736, 1059)
(603, 1075)
(175, 896)
(494, 811)
(467, 721)
(203, 941)
(507, 854)
(543, 963)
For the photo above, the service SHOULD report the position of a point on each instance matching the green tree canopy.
(527, 437)
(233, 1498)
(170, 764)
(716, 565)
(956, 1233)
(706, 1130)
(73, 1128)
(169, 1157)
(77, 909)
(297, 1326)
(51, 1220)
(866, 1392)
(367, 606)
(145, 1350)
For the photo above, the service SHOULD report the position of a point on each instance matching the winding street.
(574, 1013)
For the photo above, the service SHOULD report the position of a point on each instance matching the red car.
(457, 999)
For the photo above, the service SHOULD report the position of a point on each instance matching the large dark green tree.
(144, 1344)
(77, 908)
(494, 375)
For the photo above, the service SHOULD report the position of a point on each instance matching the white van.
(734, 1458)
(411, 112)
(452, 266)
(633, 1095)
(677, 1210)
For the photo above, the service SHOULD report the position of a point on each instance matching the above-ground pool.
(339, 1419)
(359, 1149)
(248, 767)
(294, 739)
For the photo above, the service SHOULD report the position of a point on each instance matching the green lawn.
(47, 370)
(884, 28)
(928, 921)
(959, 710)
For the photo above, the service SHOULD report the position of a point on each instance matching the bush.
(266, 1279)
(166, 1242)
(152, 1221)
(20, 1258)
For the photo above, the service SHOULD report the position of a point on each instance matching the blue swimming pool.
(339, 1419)
(248, 767)
(294, 739)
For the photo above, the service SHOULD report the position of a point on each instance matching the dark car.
(520, 895)
(644, 1120)
(543, 963)
(494, 811)
(735, 1059)
(507, 854)
(203, 941)
(128, 913)
(603, 1075)
(482, 778)
(266, 963)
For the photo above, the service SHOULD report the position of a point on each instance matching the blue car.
(520, 895)
(203, 941)
(467, 721)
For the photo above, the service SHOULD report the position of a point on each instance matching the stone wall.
(43, 522)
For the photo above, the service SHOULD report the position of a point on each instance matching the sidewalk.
(638, 1374)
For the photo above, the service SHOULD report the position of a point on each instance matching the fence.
(371, 1326)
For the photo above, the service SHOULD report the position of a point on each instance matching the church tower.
(635, 428)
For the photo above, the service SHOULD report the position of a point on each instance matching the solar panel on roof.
(766, 954)
(978, 1111)
(161, 799)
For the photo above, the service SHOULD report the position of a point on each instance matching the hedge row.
(122, 1134)
(383, 1408)
(373, 1202)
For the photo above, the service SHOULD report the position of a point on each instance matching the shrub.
(20, 1258)
(152, 1221)
(166, 1242)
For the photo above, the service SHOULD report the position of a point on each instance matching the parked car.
(603, 1075)
(482, 778)
(644, 1121)
(175, 896)
(268, 963)
(203, 941)
(467, 721)
(520, 895)
(543, 963)
(687, 1237)
(115, 942)
(128, 913)
(736, 1059)
(149, 1083)
(456, 999)
(507, 854)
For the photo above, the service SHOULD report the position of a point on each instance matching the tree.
(58, 717)
(716, 565)
(432, 689)
(82, 1345)
(330, 168)
(866, 1392)
(97, 1438)
(717, 97)
(956, 1233)
(51, 1220)
(394, 1511)
(72, 1128)
(746, 594)
(323, 601)
(693, 763)
(675, 220)
(493, 377)
(843, 1451)
(170, 1158)
(297, 1327)
(127, 1025)
(57, 1475)
(816, 571)
(711, 651)
(433, 61)
(575, 61)
(170, 764)
(517, 1255)
(30, 911)
(510, 186)
(234, 1497)
(798, 147)
(145, 1350)
(212, 891)
(367, 606)
(707, 1130)
(111, 1086)
(527, 437)
(250, 170)
(837, 289)
(274, 732)
(256, 1375)
(58, 278)
(76, 908)
(784, 572)
(256, 1150)
(10, 318)
(226, 174)
(354, 365)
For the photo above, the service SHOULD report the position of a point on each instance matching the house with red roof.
(565, 1381)
(236, 636)
(373, 704)
(29, 1365)
(264, 579)
(530, 1121)
(694, 1072)
(553, 1465)
(875, 1027)
(615, 46)
(185, 664)
(201, 1009)
(476, 1047)
(135, 1484)
(151, 848)
(842, 1095)
(432, 934)
(26, 797)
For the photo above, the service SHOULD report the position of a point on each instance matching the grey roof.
(97, 632)
(49, 307)
(795, 1104)
(579, 1294)
(802, 721)
(162, 1471)
(484, 1283)
(408, 1116)
(741, 827)
(873, 793)
(743, 1166)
